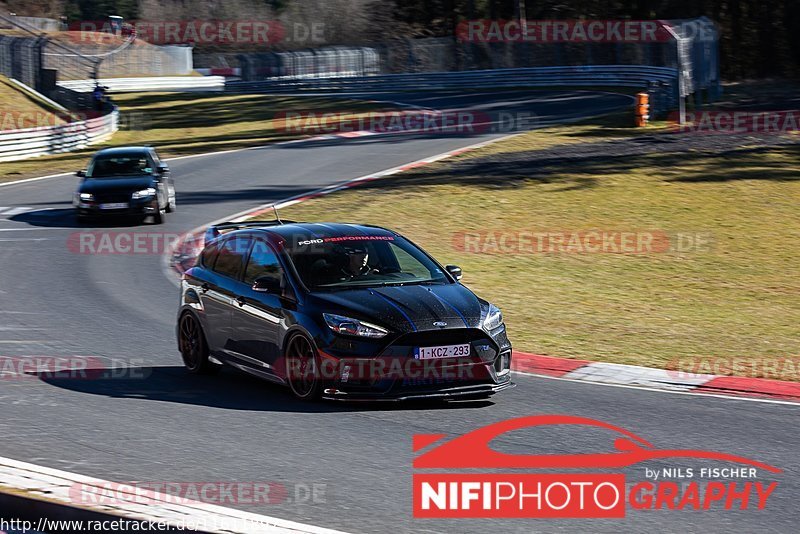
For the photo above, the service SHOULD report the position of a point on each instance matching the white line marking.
(27, 180)
(657, 390)
(16, 211)
(25, 239)
(59, 486)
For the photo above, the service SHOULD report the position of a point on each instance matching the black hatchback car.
(339, 311)
(125, 181)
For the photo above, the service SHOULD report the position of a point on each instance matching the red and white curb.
(661, 379)
(54, 493)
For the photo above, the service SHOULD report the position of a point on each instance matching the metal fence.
(661, 82)
(21, 59)
(136, 59)
(688, 47)
(329, 62)
(79, 55)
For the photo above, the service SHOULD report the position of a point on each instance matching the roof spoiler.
(217, 230)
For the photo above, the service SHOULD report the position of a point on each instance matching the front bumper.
(476, 391)
(395, 373)
(145, 207)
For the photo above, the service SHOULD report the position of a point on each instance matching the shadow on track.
(65, 218)
(228, 390)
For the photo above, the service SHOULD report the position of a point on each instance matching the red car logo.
(472, 450)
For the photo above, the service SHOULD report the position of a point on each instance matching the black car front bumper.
(142, 207)
(473, 391)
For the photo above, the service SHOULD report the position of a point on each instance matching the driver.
(356, 259)
(347, 262)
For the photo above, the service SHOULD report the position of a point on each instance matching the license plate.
(445, 351)
(114, 206)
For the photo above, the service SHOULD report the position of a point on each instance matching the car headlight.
(494, 318)
(144, 193)
(85, 197)
(353, 327)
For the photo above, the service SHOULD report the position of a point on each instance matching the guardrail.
(167, 83)
(32, 142)
(662, 82)
(597, 75)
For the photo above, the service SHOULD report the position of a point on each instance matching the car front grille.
(434, 338)
(114, 197)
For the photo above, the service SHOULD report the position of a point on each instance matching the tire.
(302, 363)
(171, 202)
(193, 347)
(158, 216)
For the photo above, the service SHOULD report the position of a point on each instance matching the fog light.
(502, 364)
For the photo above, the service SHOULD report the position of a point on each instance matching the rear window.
(209, 255)
(231, 257)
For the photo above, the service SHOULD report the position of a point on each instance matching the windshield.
(362, 261)
(120, 165)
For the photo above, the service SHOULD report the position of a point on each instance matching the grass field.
(733, 296)
(189, 123)
(17, 110)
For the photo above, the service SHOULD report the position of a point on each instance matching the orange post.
(642, 110)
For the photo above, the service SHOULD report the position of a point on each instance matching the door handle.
(241, 301)
(205, 287)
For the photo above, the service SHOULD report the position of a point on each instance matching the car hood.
(407, 308)
(100, 185)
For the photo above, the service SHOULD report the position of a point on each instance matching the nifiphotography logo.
(721, 481)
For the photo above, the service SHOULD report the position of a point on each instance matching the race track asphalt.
(159, 424)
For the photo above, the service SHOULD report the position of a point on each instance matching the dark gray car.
(128, 181)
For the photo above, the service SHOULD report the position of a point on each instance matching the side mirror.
(454, 270)
(162, 169)
(267, 284)
(81, 173)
